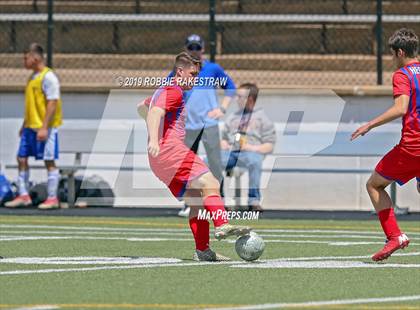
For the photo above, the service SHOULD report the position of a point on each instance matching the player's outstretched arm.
(142, 110)
(153, 123)
(143, 107)
(399, 109)
(230, 90)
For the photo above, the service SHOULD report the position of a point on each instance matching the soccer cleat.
(184, 212)
(227, 230)
(50, 203)
(391, 246)
(209, 256)
(19, 201)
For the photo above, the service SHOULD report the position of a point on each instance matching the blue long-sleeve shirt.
(200, 100)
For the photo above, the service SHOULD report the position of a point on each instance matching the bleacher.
(201, 6)
(271, 51)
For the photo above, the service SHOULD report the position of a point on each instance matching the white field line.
(96, 228)
(23, 238)
(89, 260)
(331, 257)
(40, 307)
(325, 264)
(335, 243)
(327, 231)
(343, 243)
(137, 239)
(324, 303)
(136, 260)
(327, 236)
(233, 263)
(110, 233)
(81, 228)
(91, 228)
(16, 272)
(342, 236)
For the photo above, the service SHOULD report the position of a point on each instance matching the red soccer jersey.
(176, 164)
(171, 100)
(406, 81)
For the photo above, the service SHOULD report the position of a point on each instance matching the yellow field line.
(198, 306)
(125, 306)
(176, 225)
(364, 307)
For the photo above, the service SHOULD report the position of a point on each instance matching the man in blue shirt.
(203, 109)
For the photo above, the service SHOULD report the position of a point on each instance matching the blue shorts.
(41, 150)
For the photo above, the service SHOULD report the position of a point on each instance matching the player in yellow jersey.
(38, 134)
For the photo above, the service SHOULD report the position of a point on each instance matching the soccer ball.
(250, 247)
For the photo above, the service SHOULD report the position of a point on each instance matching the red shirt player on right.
(402, 163)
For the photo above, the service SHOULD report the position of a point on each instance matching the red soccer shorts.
(176, 165)
(399, 165)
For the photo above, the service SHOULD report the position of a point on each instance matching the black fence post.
(35, 6)
(379, 30)
(137, 6)
(115, 37)
(345, 7)
(13, 46)
(212, 29)
(50, 34)
(394, 194)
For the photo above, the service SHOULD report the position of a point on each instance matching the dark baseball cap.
(194, 40)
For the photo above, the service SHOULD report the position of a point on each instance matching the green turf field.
(121, 263)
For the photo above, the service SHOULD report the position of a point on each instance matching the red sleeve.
(169, 99)
(147, 101)
(400, 84)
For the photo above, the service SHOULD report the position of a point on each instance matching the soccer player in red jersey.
(185, 174)
(402, 163)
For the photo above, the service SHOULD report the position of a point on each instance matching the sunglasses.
(194, 47)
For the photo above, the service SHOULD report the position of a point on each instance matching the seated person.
(248, 135)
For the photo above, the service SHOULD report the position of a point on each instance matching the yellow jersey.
(36, 104)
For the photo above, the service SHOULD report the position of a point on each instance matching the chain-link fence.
(327, 43)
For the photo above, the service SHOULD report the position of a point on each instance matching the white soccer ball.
(250, 247)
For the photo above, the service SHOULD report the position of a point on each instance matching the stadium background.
(331, 44)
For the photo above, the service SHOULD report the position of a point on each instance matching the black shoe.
(255, 207)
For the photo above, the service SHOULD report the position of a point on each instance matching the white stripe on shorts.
(50, 144)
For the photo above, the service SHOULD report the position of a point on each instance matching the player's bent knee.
(209, 181)
(377, 182)
(373, 186)
(369, 185)
(209, 185)
(22, 160)
(50, 164)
